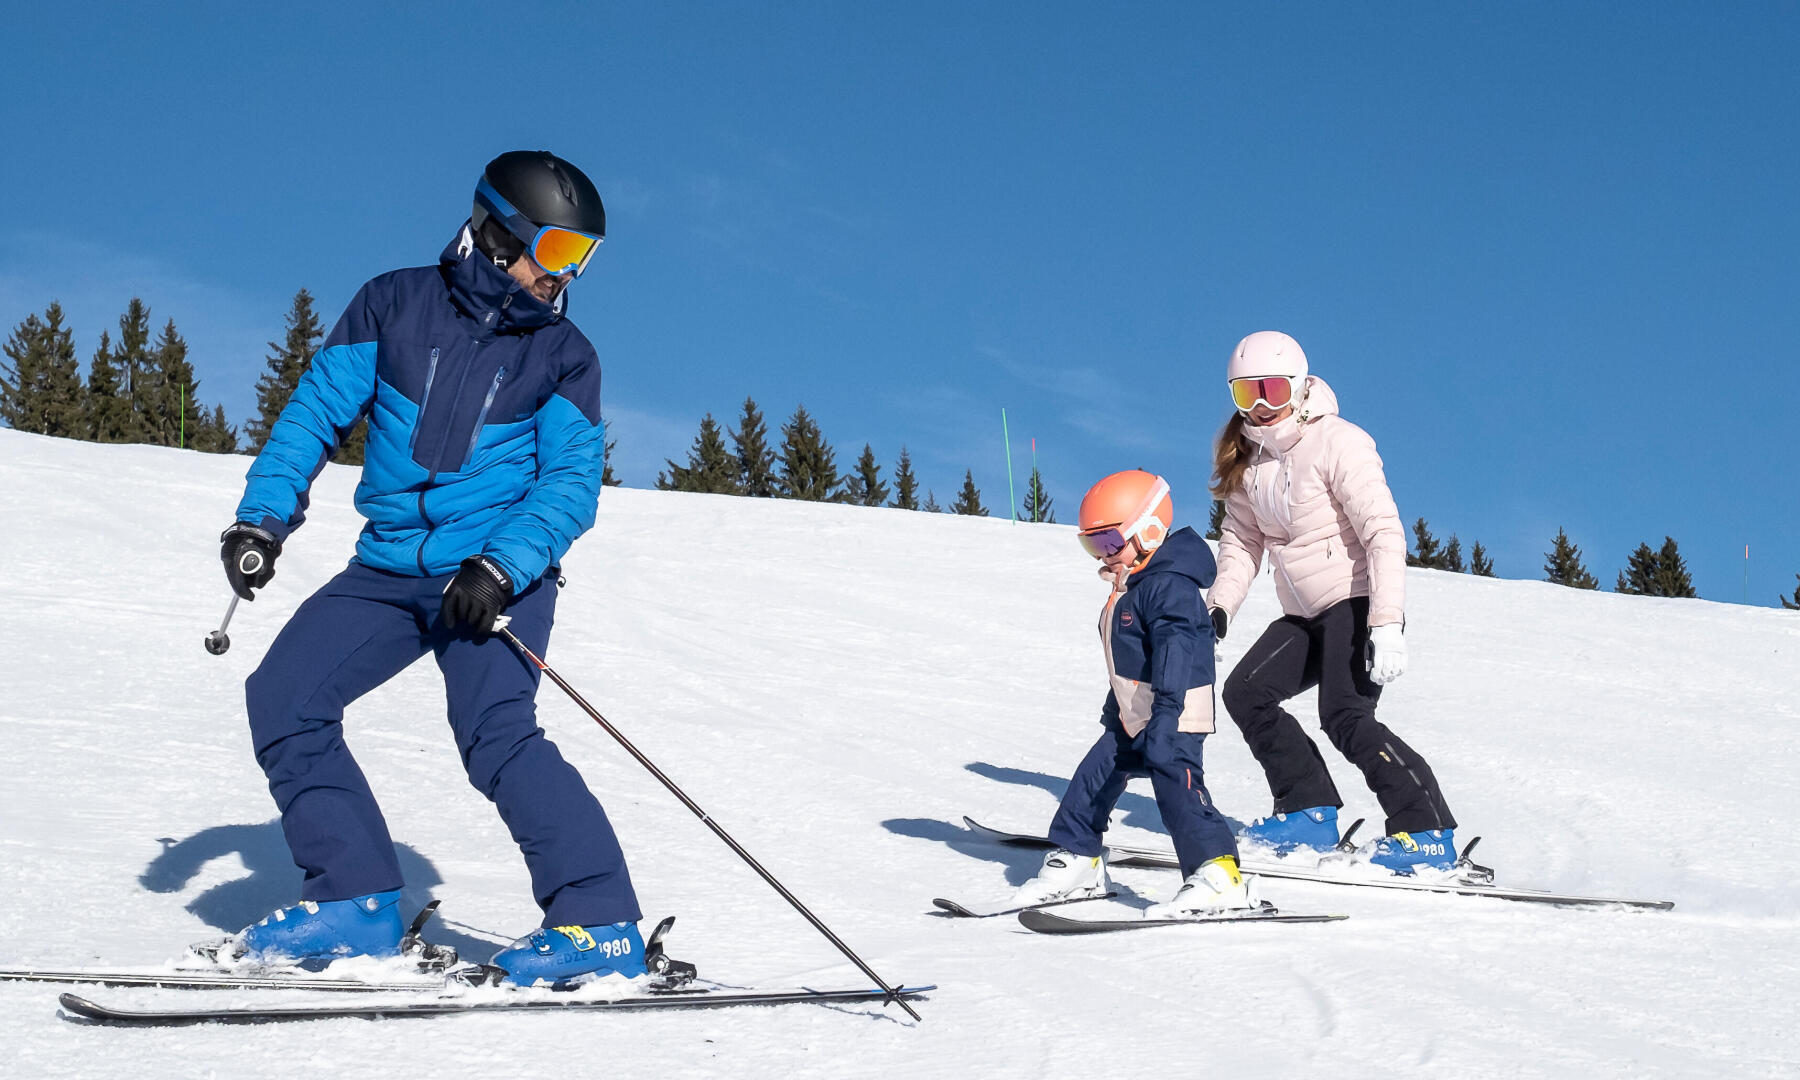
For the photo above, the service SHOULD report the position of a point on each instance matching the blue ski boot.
(559, 954)
(1403, 853)
(327, 930)
(1315, 827)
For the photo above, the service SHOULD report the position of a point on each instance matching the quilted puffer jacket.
(1316, 502)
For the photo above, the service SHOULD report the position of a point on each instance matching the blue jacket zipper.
(424, 400)
(481, 418)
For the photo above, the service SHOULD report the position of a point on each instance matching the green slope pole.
(181, 439)
(1012, 497)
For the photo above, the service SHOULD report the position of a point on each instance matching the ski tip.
(951, 907)
(81, 1006)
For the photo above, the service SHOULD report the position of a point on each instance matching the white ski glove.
(1387, 653)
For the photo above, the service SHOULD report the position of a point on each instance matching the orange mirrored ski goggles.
(562, 251)
(1274, 391)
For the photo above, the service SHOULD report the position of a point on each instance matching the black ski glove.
(249, 556)
(1219, 620)
(477, 595)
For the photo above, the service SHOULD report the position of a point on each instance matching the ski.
(1047, 922)
(209, 980)
(438, 970)
(961, 911)
(668, 999)
(1478, 884)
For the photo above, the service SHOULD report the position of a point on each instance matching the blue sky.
(1544, 253)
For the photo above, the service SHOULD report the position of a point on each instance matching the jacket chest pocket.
(460, 387)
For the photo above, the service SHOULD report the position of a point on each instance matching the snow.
(837, 686)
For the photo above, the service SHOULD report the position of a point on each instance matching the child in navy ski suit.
(1158, 644)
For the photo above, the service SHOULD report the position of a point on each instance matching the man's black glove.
(477, 595)
(249, 555)
(1219, 620)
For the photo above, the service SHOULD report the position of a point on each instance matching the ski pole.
(501, 628)
(218, 641)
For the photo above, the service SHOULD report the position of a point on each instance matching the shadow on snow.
(273, 881)
(1136, 811)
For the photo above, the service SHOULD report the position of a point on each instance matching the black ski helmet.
(543, 188)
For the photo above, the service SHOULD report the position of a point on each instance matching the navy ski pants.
(1171, 758)
(363, 628)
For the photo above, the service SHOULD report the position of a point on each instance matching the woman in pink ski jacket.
(1304, 487)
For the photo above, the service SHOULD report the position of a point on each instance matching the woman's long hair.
(1231, 458)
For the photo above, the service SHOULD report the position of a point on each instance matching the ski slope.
(837, 686)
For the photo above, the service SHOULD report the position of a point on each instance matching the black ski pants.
(1328, 651)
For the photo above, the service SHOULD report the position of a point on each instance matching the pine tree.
(864, 486)
(1215, 522)
(169, 403)
(608, 445)
(286, 363)
(1428, 556)
(1563, 565)
(1479, 563)
(808, 463)
(142, 388)
(1794, 604)
(1656, 573)
(710, 467)
(931, 504)
(1671, 577)
(756, 462)
(212, 434)
(1037, 503)
(968, 501)
(1452, 559)
(108, 412)
(906, 485)
(1639, 576)
(45, 394)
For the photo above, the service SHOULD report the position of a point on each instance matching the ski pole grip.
(250, 562)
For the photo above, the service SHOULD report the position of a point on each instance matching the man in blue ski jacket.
(483, 465)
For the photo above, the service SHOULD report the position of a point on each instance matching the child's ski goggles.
(1104, 543)
(1274, 391)
(556, 249)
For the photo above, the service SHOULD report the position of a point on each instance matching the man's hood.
(490, 295)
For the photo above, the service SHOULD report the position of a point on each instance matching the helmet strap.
(498, 243)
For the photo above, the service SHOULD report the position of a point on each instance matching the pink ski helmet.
(1266, 355)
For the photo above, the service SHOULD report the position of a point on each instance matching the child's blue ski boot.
(1405, 853)
(326, 930)
(563, 954)
(1315, 827)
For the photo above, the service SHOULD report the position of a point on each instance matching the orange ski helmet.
(1123, 506)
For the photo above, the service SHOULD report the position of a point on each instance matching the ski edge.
(1041, 922)
(89, 1009)
(208, 980)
